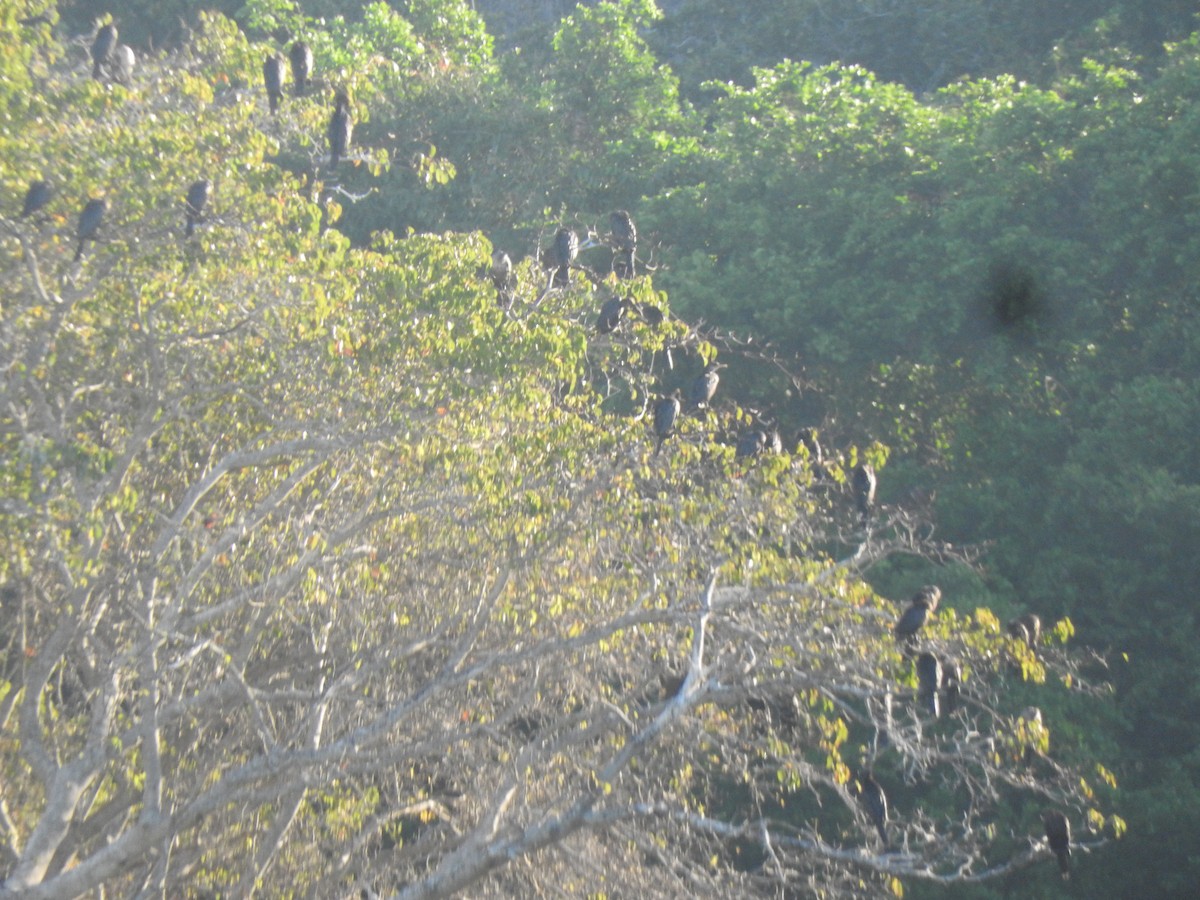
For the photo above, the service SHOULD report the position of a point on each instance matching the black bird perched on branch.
(102, 48)
(924, 602)
(301, 57)
(36, 197)
(874, 801)
(666, 411)
(197, 199)
(651, 314)
(862, 480)
(501, 274)
(611, 314)
(273, 79)
(1058, 836)
(1027, 629)
(340, 129)
(951, 685)
(566, 248)
(705, 385)
(89, 222)
(624, 235)
(122, 64)
(751, 443)
(929, 681)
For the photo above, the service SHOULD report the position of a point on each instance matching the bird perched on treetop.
(611, 314)
(862, 480)
(566, 248)
(1058, 836)
(501, 274)
(122, 63)
(874, 801)
(301, 57)
(929, 681)
(197, 199)
(89, 222)
(705, 385)
(1027, 629)
(666, 411)
(102, 48)
(623, 230)
(273, 79)
(36, 197)
(340, 129)
(751, 443)
(624, 236)
(951, 685)
(923, 603)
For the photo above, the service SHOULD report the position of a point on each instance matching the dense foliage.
(993, 275)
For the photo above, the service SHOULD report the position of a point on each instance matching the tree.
(319, 569)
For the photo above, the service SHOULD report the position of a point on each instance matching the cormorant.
(623, 230)
(705, 385)
(197, 199)
(611, 314)
(301, 57)
(874, 801)
(924, 602)
(36, 197)
(929, 680)
(1027, 629)
(566, 248)
(751, 443)
(502, 278)
(123, 61)
(624, 235)
(772, 442)
(102, 48)
(89, 222)
(862, 480)
(1058, 835)
(651, 314)
(273, 79)
(929, 596)
(341, 127)
(951, 685)
(666, 411)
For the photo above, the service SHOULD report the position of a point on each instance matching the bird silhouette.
(340, 130)
(122, 63)
(89, 222)
(611, 314)
(666, 412)
(874, 801)
(705, 385)
(36, 197)
(301, 57)
(929, 682)
(566, 248)
(273, 79)
(102, 48)
(862, 480)
(197, 199)
(1058, 836)
(624, 236)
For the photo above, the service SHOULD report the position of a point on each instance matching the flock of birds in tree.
(939, 693)
(939, 681)
(116, 62)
